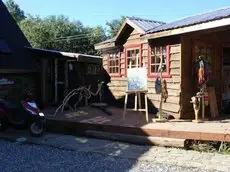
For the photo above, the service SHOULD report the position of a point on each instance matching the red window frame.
(131, 47)
(119, 64)
(164, 74)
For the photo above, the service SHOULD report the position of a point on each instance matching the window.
(132, 58)
(206, 52)
(114, 63)
(158, 53)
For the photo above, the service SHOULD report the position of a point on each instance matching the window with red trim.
(132, 56)
(114, 63)
(156, 54)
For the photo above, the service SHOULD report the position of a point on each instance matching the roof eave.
(104, 46)
(188, 29)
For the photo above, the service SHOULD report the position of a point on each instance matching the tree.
(15, 10)
(114, 26)
(58, 33)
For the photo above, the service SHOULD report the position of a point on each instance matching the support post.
(56, 80)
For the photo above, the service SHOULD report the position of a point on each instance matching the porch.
(84, 119)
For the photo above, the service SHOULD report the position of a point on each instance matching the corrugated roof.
(65, 54)
(145, 24)
(106, 41)
(4, 48)
(197, 19)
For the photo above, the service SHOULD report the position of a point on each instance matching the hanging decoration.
(158, 85)
(164, 90)
(202, 70)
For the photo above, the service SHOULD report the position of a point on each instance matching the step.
(135, 139)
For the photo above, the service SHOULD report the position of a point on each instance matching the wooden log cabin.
(179, 43)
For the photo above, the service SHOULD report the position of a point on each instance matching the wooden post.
(125, 105)
(135, 106)
(56, 80)
(203, 107)
(44, 81)
(66, 78)
(146, 108)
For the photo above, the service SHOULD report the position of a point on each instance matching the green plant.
(224, 148)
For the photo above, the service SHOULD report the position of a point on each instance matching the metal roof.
(107, 41)
(4, 48)
(145, 24)
(197, 19)
(76, 56)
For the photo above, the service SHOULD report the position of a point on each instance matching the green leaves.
(58, 33)
(15, 11)
(114, 26)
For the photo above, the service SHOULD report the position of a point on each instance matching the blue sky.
(97, 12)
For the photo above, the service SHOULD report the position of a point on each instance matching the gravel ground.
(23, 157)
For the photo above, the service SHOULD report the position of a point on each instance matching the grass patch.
(208, 146)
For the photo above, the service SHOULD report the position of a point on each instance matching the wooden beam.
(104, 46)
(16, 71)
(193, 28)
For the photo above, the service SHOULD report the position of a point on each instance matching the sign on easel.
(137, 79)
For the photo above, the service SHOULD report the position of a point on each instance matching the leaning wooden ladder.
(137, 98)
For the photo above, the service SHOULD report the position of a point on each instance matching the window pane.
(164, 50)
(158, 50)
(153, 60)
(158, 59)
(164, 58)
(152, 52)
(154, 68)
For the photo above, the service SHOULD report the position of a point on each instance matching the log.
(175, 48)
(175, 56)
(175, 64)
(175, 72)
(170, 99)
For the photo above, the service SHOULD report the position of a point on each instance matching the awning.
(59, 54)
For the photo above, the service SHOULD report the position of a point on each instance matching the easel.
(137, 98)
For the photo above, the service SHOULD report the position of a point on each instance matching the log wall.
(117, 86)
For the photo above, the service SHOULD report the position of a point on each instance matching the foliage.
(15, 10)
(58, 33)
(224, 148)
(209, 146)
(114, 26)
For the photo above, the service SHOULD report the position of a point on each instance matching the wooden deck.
(95, 119)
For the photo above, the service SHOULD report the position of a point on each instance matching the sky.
(97, 12)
